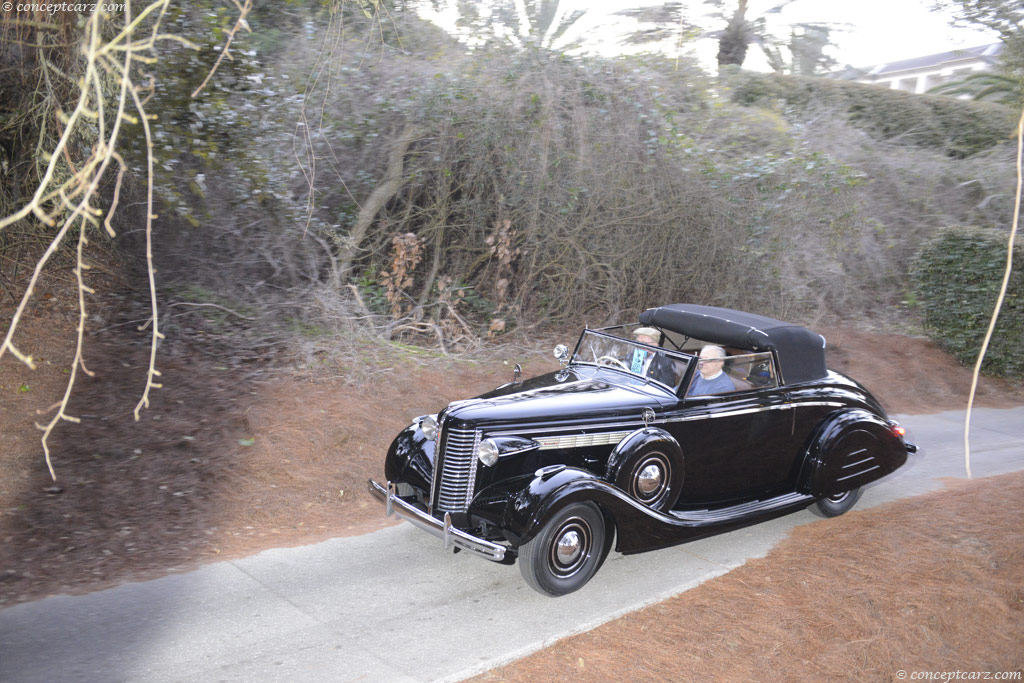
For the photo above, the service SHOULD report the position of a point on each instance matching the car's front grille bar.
(457, 470)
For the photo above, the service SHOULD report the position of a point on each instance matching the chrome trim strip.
(581, 440)
(451, 536)
(516, 451)
(857, 474)
(729, 413)
(563, 442)
(577, 427)
(859, 462)
(831, 404)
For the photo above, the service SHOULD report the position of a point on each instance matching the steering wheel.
(611, 360)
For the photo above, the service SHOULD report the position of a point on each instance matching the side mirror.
(562, 354)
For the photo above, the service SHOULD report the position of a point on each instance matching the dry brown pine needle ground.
(933, 583)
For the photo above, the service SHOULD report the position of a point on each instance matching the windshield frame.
(605, 333)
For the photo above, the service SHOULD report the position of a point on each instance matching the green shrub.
(957, 278)
(959, 128)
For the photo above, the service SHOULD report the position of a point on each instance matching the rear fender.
(850, 449)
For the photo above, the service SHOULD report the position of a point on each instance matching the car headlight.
(428, 425)
(487, 452)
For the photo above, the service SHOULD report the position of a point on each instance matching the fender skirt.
(851, 449)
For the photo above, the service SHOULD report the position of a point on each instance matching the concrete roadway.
(393, 606)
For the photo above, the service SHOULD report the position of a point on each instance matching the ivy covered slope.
(957, 278)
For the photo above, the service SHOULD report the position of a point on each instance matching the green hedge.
(957, 276)
(959, 128)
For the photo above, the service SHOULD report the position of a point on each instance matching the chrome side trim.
(450, 535)
(857, 474)
(612, 438)
(831, 404)
(581, 440)
(577, 427)
(730, 413)
(505, 454)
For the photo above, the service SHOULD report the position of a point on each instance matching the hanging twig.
(999, 300)
(243, 11)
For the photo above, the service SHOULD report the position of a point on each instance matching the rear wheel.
(566, 553)
(833, 506)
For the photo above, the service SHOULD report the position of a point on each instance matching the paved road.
(392, 606)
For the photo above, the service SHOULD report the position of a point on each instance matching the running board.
(737, 512)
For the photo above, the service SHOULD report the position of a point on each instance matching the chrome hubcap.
(568, 548)
(571, 547)
(649, 480)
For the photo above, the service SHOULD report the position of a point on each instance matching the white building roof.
(985, 53)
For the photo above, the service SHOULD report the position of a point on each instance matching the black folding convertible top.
(801, 353)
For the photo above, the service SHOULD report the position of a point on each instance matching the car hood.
(577, 392)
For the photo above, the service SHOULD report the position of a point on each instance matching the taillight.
(898, 430)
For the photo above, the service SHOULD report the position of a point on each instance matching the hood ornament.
(517, 373)
(561, 352)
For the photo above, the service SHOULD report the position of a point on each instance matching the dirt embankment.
(228, 460)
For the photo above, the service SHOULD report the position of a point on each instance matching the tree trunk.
(388, 188)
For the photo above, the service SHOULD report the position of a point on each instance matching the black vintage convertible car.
(699, 421)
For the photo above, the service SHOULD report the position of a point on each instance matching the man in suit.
(649, 363)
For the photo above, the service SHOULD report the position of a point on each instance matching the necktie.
(639, 356)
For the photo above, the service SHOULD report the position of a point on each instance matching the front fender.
(410, 459)
(536, 500)
(850, 449)
(514, 505)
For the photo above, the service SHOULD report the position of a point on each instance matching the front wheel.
(566, 553)
(833, 506)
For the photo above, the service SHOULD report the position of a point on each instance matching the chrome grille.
(457, 470)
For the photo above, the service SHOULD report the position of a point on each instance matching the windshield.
(642, 360)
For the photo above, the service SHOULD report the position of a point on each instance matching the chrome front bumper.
(452, 537)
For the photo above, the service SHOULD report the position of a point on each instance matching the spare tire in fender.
(648, 466)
